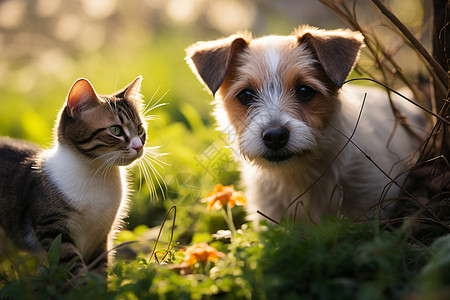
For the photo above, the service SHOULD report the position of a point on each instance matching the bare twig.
(267, 217)
(442, 75)
(332, 161)
(406, 98)
(174, 208)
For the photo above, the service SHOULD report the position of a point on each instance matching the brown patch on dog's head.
(296, 65)
(275, 70)
(210, 61)
(337, 50)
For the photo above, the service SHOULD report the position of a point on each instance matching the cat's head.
(107, 129)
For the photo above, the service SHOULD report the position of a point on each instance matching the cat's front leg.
(98, 260)
(69, 253)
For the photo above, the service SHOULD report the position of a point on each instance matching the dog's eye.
(246, 97)
(305, 93)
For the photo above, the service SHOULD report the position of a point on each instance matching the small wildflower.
(224, 195)
(200, 252)
(222, 234)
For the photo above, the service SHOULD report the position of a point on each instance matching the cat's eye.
(140, 129)
(116, 130)
(304, 93)
(246, 97)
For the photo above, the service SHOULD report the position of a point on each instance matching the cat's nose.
(136, 144)
(137, 148)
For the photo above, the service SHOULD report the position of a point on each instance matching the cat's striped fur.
(76, 189)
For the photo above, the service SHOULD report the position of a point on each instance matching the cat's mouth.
(128, 157)
(139, 152)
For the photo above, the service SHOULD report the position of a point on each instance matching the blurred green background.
(45, 45)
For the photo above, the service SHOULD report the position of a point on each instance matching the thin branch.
(333, 160)
(442, 74)
(337, 10)
(267, 217)
(400, 95)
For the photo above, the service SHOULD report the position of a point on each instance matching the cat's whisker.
(105, 166)
(155, 160)
(153, 156)
(148, 108)
(152, 161)
(150, 173)
(158, 178)
(85, 188)
(142, 176)
(151, 106)
(151, 99)
(94, 160)
(157, 103)
(102, 157)
(154, 106)
(149, 118)
(101, 171)
(148, 179)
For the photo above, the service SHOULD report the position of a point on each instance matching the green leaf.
(54, 253)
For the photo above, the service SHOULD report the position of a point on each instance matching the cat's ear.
(81, 95)
(131, 91)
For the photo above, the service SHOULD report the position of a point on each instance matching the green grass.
(336, 260)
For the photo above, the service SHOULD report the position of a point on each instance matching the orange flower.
(224, 195)
(200, 252)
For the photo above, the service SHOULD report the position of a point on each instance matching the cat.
(78, 188)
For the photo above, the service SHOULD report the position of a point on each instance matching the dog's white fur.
(329, 173)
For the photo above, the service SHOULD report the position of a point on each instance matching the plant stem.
(228, 216)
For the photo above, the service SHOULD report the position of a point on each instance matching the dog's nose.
(276, 138)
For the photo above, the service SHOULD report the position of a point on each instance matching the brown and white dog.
(282, 97)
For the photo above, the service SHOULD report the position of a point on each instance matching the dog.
(308, 146)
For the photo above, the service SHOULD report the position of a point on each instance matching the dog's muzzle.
(275, 139)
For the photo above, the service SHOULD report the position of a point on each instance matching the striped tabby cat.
(77, 188)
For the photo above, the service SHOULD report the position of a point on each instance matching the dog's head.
(278, 92)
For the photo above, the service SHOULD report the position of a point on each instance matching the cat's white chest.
(97, 194)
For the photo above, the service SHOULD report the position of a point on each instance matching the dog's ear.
(337, 50)
(210, 61)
